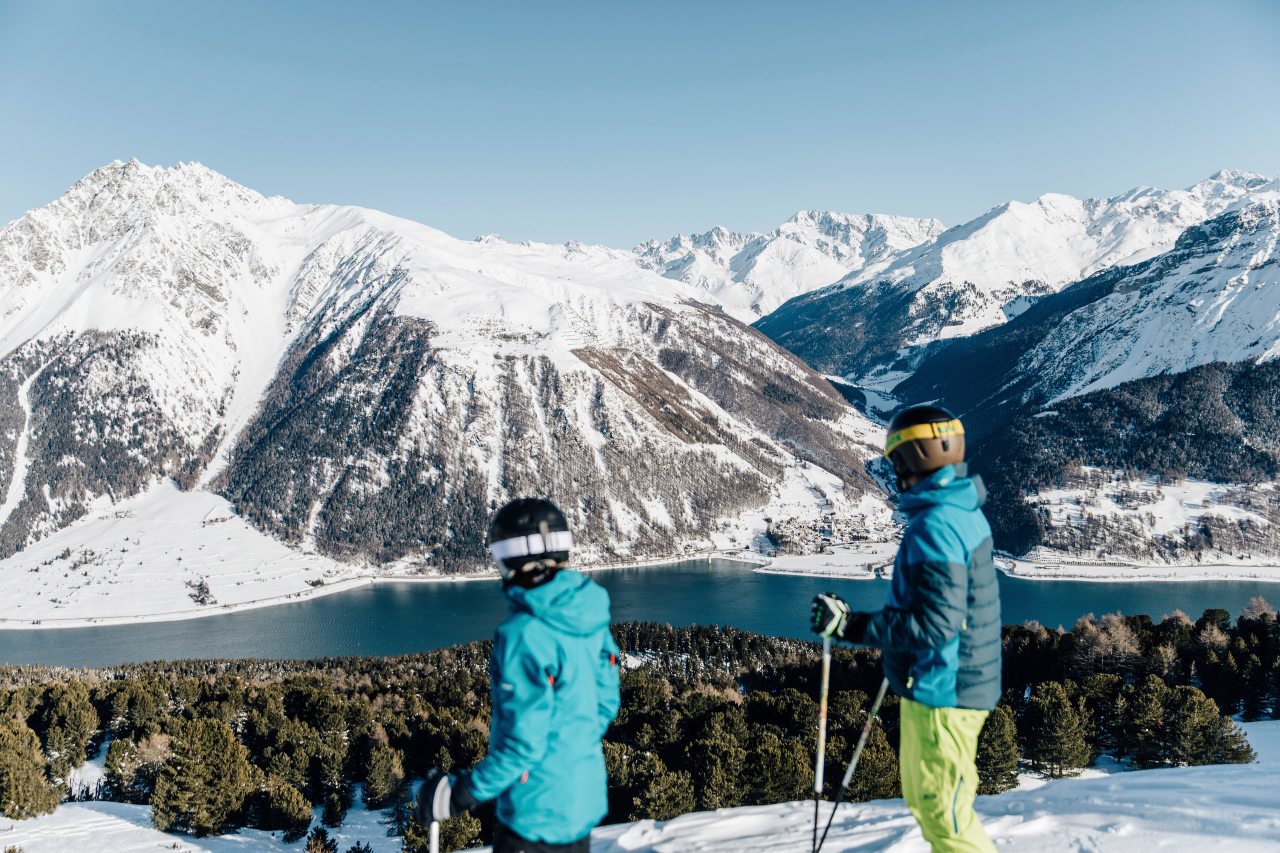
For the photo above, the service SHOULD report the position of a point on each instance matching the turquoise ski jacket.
(554, 677)
(940, 631)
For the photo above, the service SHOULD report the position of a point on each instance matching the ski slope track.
(361, 391)
(875, 324)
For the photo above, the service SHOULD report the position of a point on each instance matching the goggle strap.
(945, 429)
(537, 543)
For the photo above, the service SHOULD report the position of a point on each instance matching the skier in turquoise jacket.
(940, 631)
(554, 681)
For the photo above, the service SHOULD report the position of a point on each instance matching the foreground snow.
(1195, 808)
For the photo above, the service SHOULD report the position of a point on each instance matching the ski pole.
(433, 836)
(853, 763)
(822, 736)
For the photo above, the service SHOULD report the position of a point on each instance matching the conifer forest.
(711, 718)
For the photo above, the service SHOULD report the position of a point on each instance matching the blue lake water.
(396, 618)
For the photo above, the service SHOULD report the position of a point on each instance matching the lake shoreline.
(344, 585)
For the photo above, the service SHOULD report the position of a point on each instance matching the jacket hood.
(570, 602)
(950, 485)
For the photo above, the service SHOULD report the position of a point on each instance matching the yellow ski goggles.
(919, 431)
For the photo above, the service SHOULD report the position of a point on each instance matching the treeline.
(711, 718)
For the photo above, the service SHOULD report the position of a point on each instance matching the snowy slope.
(984, 272)
(367, 388)
(750, 275)
(1214, 297)
(1226, 808)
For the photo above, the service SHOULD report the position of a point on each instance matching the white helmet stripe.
(524, 546)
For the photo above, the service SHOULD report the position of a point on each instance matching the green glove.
(833, 618)
(830, 615)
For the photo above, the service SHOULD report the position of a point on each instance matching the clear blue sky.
(613, 122)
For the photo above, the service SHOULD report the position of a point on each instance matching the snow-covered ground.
(1227, 808)
(1081, 571)
(851, 562)
(143, 557)
(1144, 509)
(122, 828)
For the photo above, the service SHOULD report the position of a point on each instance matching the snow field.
(134, 560)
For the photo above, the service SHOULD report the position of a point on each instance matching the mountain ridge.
(368, 388)
(874, 326)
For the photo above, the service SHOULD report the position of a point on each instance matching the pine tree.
(202, 786)
(1228, 745)
(320, 842)
(1055, 732)
(285, 809)
(131, 769)
(401, 811)
(460, 832)
(69, 723)
(361, 847)
(717, 759)
(998, 753)
(383, 776)
(24, 790)
(668, 795)
(1145, 737)
(1256, 691)
(1191, 720)
(1273, 693)
(1101, 694)
(334, 811)
(777, 769)
(877, 776)
(1231, 686)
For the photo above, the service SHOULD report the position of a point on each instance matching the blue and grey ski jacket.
(554, 677)
(940, 631)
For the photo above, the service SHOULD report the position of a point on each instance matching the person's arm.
(609, 697)
(521, 719)
(938, 566)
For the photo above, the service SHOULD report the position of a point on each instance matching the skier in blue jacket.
(940, 631)
(553, 677)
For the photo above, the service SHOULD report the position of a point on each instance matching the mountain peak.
(1235, 178)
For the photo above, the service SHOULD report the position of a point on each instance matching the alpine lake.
(391, 618)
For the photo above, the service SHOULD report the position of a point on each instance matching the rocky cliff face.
(372, 388)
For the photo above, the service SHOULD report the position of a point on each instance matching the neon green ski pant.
(939, 778)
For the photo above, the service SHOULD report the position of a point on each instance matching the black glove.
(443, 796)
(833, 618)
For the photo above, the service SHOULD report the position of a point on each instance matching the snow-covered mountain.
(1213, 297)
(987, 271)
(1147, 374)
(750, 275)
(368, 387)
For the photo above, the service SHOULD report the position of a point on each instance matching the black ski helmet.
(529, 540)
(922, 439)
